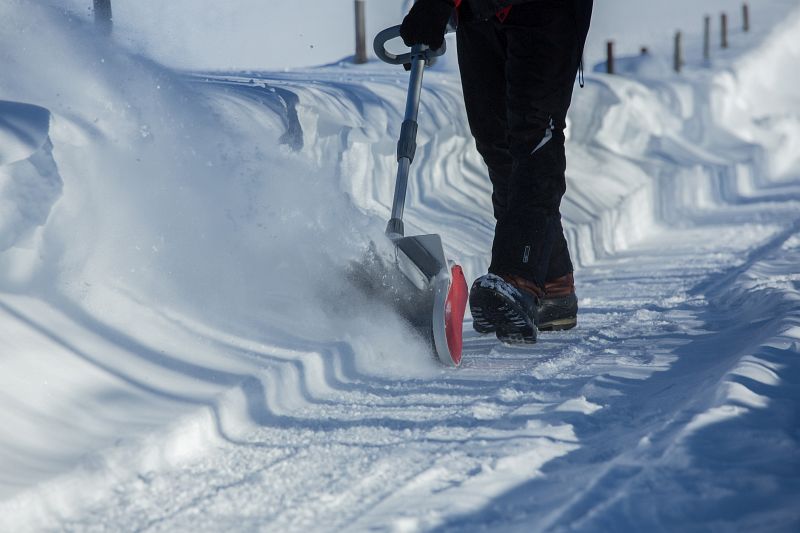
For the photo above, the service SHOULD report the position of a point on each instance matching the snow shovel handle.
(383, 37)
(415, 61)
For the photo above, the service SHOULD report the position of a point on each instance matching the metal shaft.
(407, 145)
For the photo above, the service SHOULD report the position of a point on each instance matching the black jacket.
(485, 9)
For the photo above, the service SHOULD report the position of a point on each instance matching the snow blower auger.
(429, 291)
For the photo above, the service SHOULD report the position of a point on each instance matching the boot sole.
(484, 326)
(491, 312)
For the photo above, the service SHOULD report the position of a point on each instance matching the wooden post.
(678, 62)
(707, 39)
(361, 33)
(610, 57)
(102, 16)
(724, 30)
(745, 17)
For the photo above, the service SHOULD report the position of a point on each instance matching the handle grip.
(383, 37)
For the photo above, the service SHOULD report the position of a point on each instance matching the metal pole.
(724, 30)
(361, 33)
(745, 17)
(678, 53)
(102, 16)
(610, 57)
(406, 146)
(707, 39)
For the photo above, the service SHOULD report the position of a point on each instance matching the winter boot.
(558, 307)
(505, 305)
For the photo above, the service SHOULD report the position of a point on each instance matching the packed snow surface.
(182, 349)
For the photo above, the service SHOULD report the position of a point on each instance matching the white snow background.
(180, 350)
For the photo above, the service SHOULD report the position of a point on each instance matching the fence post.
(361, 33)
(678, 63)
(610, 57)
(707, 39)
(724, 30)
(745, 17)
(102, 16)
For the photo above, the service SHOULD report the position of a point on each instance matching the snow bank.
(23, 130)
(168, 193)
(156, 215)
(29, 179)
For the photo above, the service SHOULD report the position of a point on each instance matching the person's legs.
(542, 47)
(481, 59)
(542, 50)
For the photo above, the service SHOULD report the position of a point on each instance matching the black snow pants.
(518, 76)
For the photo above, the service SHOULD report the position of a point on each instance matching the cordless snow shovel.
(428, 290)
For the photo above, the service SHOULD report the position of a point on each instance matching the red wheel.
(448, 316)
(454, 313)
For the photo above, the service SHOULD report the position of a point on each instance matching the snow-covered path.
(673, 404)
(171, 256)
